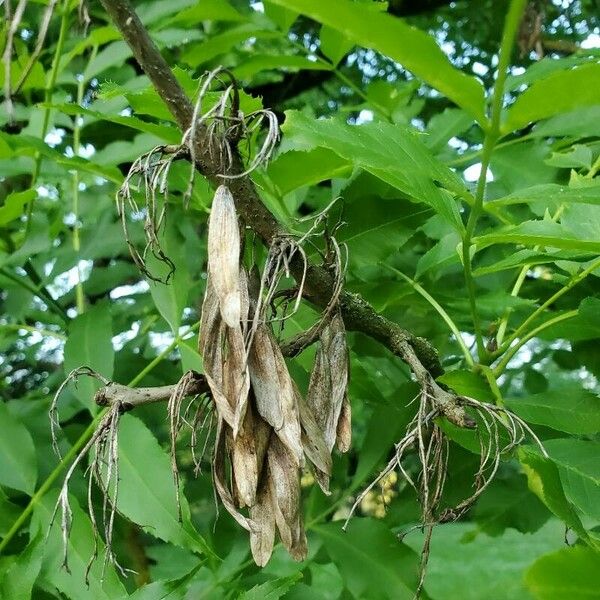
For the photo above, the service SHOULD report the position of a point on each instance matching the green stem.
(48, 91)
(472, 156)
(79, 295)
(492, 135)
(81, 441)
(499, 369)
(538, 311)
(518, 285)
(439, 309)
(32, 329)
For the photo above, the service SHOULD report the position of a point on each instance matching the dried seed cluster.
(266, 431)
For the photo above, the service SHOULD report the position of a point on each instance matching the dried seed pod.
(314, 445)
(284, 483)
(274, 391)
(329, 379)
(263, 375)
(343, 438)
(224, 255)
(225, 364)
(220, 478)
(263, 514)
(247, 456)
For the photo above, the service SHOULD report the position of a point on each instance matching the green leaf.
(224, 42)
(577, 156)
(581, 123)
(579, 468)
(284, 63)
(271, 590)
(446, 125)
(545, 483)
(103, 583)
(415, 50)
(282, 17)
(464, 565)
(549, 96)
(174, 589)
(14, 204)
(207, 10)
(530, 257)
(190, 358)
(334, 44)
(295, 169)
(146, 489)
(170, 298)
(550, 192)
(508, 502)
(26, 145)
(18, 463)
(370, 558)
(537, 233)
(393, 153)
(9, 513)
(17, 583)
(167, 133)
(385, 427)
(572, 573)
(89, 344)
(568, 409)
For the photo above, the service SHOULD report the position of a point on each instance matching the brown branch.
(130, 398)
(358, 314)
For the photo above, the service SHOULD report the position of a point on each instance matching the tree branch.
(358, 314)
(131, 397)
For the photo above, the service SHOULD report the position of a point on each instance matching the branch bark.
(130, 397)
(358, 314)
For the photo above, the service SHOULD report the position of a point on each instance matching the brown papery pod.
(329, 379)
(219, 473)
(284, 480)
(344, 427)
(236, 378)
(211, 348)
(248, 450)
(224, 255)
(274, 391)
(263, 515)
(224, 360)
(263, 375)
(314, 445)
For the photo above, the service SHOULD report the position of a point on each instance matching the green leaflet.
(393, 153)
(572, 573)
(579, 468)
(18, 463)
(80, 551)
(537, 233)
(548, 97)
(371, 558)
(17, 583)
(413, 49)
(170, 297)
(271, 590)
(568, 409)
(146, 489)
(545, 483)
(89, 344)
(550, 193)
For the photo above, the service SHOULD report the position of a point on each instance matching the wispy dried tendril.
(499, 432)
(102, 450)
(225, 125)
(150, 173)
